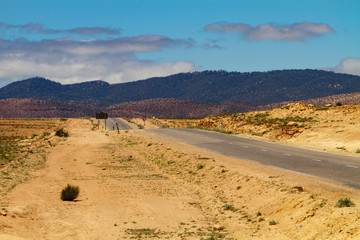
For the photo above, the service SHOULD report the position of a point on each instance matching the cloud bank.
(348, 65)
(39, 28)
(70, 60)
(293, 32)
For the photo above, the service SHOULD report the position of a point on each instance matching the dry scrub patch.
(23, 143)
(135, 185)
(122, 195)
(333, 128)
(173, 123)
(247, 199)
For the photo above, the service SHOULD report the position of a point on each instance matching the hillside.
(161, 108)
(210, 87)
(173, 108)
(334, 128)
(35, 108)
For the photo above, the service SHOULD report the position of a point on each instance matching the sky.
(71, 41)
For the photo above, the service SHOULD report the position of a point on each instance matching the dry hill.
(334, 128)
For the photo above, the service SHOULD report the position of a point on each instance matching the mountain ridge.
(209, 87)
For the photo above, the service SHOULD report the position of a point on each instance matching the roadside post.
(101, 115)
(117, 126)
(144, 119)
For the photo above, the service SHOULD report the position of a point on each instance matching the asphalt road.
(340, 169)
(111, 124)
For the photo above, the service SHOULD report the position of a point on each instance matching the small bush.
(344, 202)
(321, 108)
(273, 222)
(338, 104)
(357, 150)
(341, 148)
(69, 193)
(61, 133)
(200, 166)
(229, 207)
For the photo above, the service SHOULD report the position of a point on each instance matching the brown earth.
(135, 185)
(332, 128)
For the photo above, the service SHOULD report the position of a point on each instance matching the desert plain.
(136, 185)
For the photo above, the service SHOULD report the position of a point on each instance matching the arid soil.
(333, 128)
(135, 185)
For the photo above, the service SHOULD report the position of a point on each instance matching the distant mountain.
(208, 87)
(160, 108)
(173, 108)
(94, 92)
(345, 99)
(37, 108)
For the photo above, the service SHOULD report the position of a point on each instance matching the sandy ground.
(135, 185)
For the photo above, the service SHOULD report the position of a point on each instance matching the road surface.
(111, 124)
(344, 170)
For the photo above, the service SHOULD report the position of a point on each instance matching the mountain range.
(194, 94)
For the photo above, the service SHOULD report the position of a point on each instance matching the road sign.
(101, 115)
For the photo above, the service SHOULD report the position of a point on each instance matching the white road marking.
(351, 166)
(264, 150)
(287, 154)
(317, 160)
(245, 146)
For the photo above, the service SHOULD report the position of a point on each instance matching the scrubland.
(135, 185)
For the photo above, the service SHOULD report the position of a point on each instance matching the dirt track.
(146, 187)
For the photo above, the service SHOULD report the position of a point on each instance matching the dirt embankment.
(330, 128)
(135, 185)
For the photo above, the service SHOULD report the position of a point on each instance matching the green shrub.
(321, 108)
(61, 133)
(357, 150)
(69, 193)
(229, 207)
(338, 104)
(344, 202)
(273, 222)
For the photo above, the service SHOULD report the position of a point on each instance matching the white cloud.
(347, 65)
(69, 61)
(39, 28)
(293, 32)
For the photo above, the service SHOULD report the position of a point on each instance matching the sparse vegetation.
(344, 202)
(321, 108)
(70, 193)
(143, 233)
(217, 130)
(357, 150)
(341, 148)
(229, 207)
(61, 133)
(338, 104)
(200, 166)
(273, 222)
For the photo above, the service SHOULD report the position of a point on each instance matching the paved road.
(111, 124)
(344, 170)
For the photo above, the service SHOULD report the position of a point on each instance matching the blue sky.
(126, 40)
